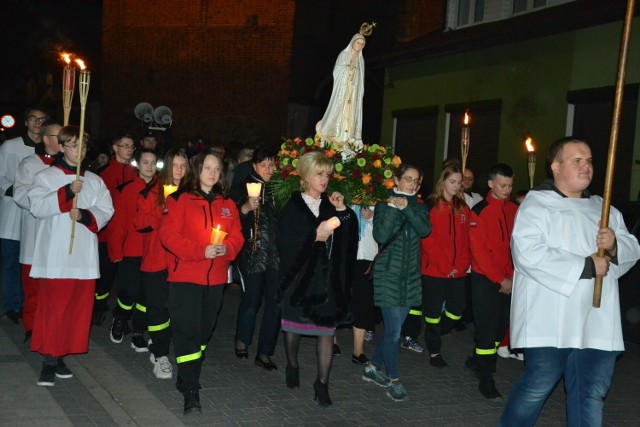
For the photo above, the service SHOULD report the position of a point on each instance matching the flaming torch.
(68, 85)
(465, 141)
(531, 161)
(85, 79)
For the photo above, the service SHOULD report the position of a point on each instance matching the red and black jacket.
(146, 222)
(123, 239)
(114, 174)
(185, 232)
(490, 235)
(446, 248)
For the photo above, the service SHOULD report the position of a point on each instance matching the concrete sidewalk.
(114, 386)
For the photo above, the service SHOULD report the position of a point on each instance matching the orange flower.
(388, 183)
(377, 164)
(330, 153)
(395, 161)
(294, 153)
(366, 178)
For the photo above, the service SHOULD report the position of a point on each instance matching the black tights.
(324, 353)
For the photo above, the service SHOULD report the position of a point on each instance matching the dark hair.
(262, 153)
(192, 181)
(450, 167)
(400, 170)
(555, 150)
(500, 169)
(120, 136)
(30, 110)
(166, 176)
(141, 151)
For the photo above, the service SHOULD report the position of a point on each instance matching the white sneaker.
(162, 369)
(517, 356)
(503, 352)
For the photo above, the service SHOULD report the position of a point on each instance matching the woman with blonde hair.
(316, 266)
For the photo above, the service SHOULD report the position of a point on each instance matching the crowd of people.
(171, 240)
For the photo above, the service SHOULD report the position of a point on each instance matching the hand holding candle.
(168, 189)
(217, 235)
(253, 189)
(325, 229)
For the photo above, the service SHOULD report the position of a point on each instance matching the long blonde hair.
(449, 168)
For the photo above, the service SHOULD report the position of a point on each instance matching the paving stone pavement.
(114, 386)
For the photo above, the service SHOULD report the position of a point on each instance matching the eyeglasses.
(38, 120)
(74, 147)
(410, 180)
(127, 147)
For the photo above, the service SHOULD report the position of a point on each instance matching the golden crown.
(366, 29)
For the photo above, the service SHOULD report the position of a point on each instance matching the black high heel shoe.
(322, 393)
(265, 363)
(293, 377)
(242, 353)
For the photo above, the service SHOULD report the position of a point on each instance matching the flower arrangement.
(362, 173)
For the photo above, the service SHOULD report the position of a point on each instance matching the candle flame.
(66, 57)
(80, 63)
(466, 118)
(529, 144)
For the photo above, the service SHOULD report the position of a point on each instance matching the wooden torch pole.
(613, 138)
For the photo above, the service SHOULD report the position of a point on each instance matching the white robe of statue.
(342, 121)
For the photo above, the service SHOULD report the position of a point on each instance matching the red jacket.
(114, 174)
(185, 231)
(124, 240)
(490, 234)
(146, 221)
(446, 248)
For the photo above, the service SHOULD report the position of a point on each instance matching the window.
(461, 13)
(415, 141)
(484, 136)
(593, 111)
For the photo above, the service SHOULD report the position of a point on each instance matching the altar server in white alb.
(554, 244)
(67, 281)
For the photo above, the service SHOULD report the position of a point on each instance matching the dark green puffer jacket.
(396, 272)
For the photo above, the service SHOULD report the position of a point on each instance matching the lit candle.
(217, 235)
(531, 161)
(254, 188)
(465, 141)
(168, 189)
(331, 224)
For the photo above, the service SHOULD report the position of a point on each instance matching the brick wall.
(222, 66)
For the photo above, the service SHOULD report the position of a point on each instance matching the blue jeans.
(587, 377)
(12, 293)
(386, 352)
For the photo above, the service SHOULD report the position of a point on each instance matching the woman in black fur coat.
(316, 266)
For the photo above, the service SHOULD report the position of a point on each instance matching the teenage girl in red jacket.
(150, 205)
(445, 259)
(197, 268)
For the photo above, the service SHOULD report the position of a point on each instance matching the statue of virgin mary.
(342, 121)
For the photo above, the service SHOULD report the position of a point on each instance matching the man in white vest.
(12, 152)
(554, 243)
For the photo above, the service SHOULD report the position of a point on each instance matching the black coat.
(265, 256)
(316, 276)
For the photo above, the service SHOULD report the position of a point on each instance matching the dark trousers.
(255, 286)
(437, 291)
(363, 307)
(105, 281)
(491, 313)
(194, 311)
(412, 325)
(156, 291)
(131, 299)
